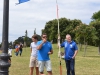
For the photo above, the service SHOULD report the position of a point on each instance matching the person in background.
(44, 50)
(10, 51)
(9, 59)
(20, 49)
(33, 59)
(16, 49)
(71, 51)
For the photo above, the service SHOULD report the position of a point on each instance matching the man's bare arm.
(76, 51)
(51, 52)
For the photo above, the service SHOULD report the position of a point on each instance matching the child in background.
(10, 51)
(16, 50)
(20, 49)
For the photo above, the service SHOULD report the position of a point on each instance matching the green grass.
(88, 65)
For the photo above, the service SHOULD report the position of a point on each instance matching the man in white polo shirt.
(33, 59)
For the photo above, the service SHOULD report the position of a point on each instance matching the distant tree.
(96, 16)
(96, 24)
(65, 25)
(16, 42)
(21, 40)
(10, 44)
(39, 37)
(0, 45)
(35, 31)
(26, 38)
(84, 34)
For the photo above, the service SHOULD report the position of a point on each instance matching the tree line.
(25, 40)
(80, 32)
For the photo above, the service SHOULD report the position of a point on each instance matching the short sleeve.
(39, 42)
(62, 45)
(76, 48)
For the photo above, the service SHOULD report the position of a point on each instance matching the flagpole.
(4, 64)
(58, 27)
(59, 39)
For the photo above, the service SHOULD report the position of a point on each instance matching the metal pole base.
(4, 64)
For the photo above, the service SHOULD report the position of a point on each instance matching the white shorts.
(43, 64)
(33, 62)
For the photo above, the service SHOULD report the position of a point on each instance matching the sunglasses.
(44, 37)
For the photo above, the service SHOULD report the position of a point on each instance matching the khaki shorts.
(33, 62)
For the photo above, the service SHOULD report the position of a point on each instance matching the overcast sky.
(35, 13)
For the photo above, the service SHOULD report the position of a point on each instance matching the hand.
(73, 57)
(49, 53)
(58, 36)
(44, 40)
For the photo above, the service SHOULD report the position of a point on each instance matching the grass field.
(88, 65)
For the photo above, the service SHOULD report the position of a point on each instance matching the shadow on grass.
(94, 56)
(87, 51)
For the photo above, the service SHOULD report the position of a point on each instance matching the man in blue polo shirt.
(70, 53)
(44, 50)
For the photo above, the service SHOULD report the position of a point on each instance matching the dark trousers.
(20, 51)
(16, 53)
(70, 66)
